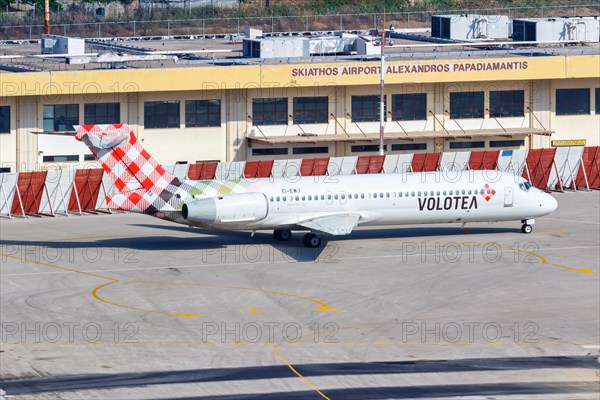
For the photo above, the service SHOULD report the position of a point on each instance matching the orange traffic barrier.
(258, 169)
(589, 169)
(31, 186)
(314, 166)
(369, 164)
(425, 162)
(203, 170)
(86, 189)
(539, 165)
(484, 159)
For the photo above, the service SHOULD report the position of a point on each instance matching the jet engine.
(228, 209)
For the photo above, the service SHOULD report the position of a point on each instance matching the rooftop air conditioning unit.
(580, 29)
(469, 27)
(54, 44)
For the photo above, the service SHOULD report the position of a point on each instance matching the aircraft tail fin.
(143, 183)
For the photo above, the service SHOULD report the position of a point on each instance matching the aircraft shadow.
(219, 239)
(295, 250)
(66, 383)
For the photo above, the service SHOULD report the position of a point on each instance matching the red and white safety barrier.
(66, 191)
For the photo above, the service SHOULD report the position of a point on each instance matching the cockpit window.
(525, 185)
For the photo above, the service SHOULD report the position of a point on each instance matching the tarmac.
(126, 306)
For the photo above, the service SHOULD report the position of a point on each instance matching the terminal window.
(367, 147)
(572, 101)
(466, 105)
(409, 107)
(409, 146)
(507, 103)
(202, 113)
(466, 145)
(62, 158)
(507, 143)
(161, 114)
(597, 101)
(4, 119)
(365, 108)
(311, 110)
(272, 151)
(61, 117)
(102, 113)
(271, 111)
(310, 150)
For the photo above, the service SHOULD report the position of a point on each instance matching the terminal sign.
(420, 68)
(567, 143)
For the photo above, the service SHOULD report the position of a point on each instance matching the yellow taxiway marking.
(112, 303)
(295, 371)
(112, 281)
(66, 269)
(252, 310)
(531, 253)
(545, 261)
(322, 306)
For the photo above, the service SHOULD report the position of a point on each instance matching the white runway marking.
(329, 260)
(572, 220)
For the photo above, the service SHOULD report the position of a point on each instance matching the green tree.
(39, 4)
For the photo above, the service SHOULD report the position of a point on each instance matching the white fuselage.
(391, 199)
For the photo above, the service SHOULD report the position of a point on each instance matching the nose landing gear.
(526, 227)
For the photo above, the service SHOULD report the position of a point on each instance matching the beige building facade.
(297, 110)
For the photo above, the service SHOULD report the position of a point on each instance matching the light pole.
(47, 17)
(382, 92)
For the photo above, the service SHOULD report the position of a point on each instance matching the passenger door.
(508, 197)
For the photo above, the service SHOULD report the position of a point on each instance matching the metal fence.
(273, 24)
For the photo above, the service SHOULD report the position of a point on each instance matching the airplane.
(332, 205)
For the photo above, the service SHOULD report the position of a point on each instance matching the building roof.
(408, 136)
(226, 50)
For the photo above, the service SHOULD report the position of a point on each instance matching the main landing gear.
(526, 227)
(309, 240)
(282, 235)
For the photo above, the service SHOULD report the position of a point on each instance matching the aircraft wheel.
(282, 234)
(526, 228)
(311, 240)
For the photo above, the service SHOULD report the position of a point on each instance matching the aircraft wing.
(336, 224)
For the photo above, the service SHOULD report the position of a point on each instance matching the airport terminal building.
(211, 99)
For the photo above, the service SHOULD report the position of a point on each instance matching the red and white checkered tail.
(144, 185)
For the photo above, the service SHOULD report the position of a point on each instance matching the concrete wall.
(575, 126)
(8, 141)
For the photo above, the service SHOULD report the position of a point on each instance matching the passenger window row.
(376, 195)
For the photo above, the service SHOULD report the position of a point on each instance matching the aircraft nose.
(548, 203)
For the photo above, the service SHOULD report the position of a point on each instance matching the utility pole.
(47, 17)
(382, 92)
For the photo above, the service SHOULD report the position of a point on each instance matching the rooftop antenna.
(47, 17)
(382, 91)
